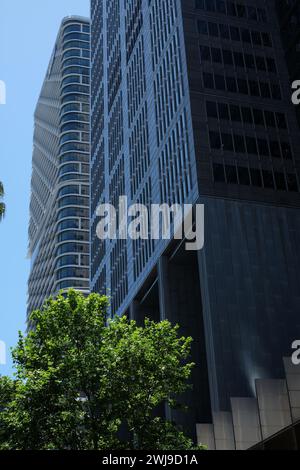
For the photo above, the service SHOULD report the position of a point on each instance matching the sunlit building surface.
(59, 209)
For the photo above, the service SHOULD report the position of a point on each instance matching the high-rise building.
(191, 103)
(59, 209)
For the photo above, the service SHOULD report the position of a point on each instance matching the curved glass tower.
(59, 209)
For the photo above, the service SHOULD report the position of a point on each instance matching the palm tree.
(2, 205)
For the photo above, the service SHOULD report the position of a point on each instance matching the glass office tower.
(191, 104)
(59, 209)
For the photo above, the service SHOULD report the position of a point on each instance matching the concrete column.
(293, 384)
(180, 303)
(206, 436)
(246, 422)
(223, 430)
(274, 406)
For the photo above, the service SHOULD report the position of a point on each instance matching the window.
(281, 121)
(202, 27)
(235, 113)
(242, 86)
(210, 5)
(227, 57)
(260, 63)
(286, 150)
(275, 149)
(256, 38)
(239, 59)
(292, 182)
(263, 147)
(208, 80)
(227, 142)
(265, 90)
(211, 109)
(254, 88)
(249, 60)
(247, 115)
(219, 173)
(205, 54)
(251, 145)
(280, 181)
(223, 111)
(220, 82)
(231, 174)
(235, 33)
(266, 39)
(276, 92)
(256, 177)
(239, 144)
(270, 119)
(231, 84)
(258, 117)
(215, 141)
(268, 179)
(246, 37)
(213, 29)
(216, 55)
(271, 65)
(221, 6)
(244, 176)
(224, 31)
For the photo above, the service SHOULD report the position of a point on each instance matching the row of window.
(78, 44)
(76, 28)
(238, 59)
(75, 117)
(81, 107)
(80, 36)
(73, 283)
(73, 189)
(232, 174)
(85, 53)
(73, 212)
(80, 273)
(74, 168)
(81, 79)
(76, 224)
(74, 147)
(231, 142)
(255, 88)
(80, 136)
(235, 9)
(73, 248)
(79, 70)
(73, 236)
(73, 201)
(233, 33)
(245, 114)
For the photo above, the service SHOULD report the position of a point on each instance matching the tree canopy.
(84, 382)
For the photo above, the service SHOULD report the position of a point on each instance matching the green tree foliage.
(2, 205)
(80, 379)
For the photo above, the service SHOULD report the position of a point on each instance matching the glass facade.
(59, 211)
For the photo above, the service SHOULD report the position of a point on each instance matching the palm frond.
(2, 205)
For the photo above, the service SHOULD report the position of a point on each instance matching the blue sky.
(27, 34)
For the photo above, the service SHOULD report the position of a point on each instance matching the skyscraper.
(191, 104)
(59, 208)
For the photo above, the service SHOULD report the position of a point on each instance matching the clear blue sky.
(28, 31)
